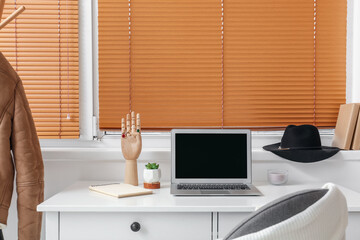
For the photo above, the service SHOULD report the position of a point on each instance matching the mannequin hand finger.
(127, 123)
(123, 127)
(132, 122)
(138, 125)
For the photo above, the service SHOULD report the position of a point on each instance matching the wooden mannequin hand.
(131, 147)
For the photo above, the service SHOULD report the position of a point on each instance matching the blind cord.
(16, 40)
(59, 43)
(68, 117)
(222, 64)
(130, 76)
(314, 110)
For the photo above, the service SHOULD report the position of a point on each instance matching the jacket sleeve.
(29, 168)
(6, 166)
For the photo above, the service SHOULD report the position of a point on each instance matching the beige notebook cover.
(356, 139)
(119, 190)
(345, 125)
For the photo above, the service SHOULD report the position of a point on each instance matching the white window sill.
(157, 154)
(157, 147)
(102, 154)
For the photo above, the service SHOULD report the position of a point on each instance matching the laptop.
(211, 162)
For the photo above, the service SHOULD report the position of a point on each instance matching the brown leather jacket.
(19, 149)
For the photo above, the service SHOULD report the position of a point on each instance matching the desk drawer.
(116, 226)
(228, 221)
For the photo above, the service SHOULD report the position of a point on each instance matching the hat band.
(298, 148)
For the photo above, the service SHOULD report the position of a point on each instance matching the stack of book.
(347, 130)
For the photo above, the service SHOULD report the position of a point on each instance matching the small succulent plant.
(152, 166)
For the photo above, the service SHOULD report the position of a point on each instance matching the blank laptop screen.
(207, 155)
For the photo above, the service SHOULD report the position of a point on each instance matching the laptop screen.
(208, 155)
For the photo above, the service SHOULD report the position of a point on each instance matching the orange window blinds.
(42, 46)
(175, 56)
(222, 63)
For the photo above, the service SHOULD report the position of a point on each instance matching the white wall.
(353, 52)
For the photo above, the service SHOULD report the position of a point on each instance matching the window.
(42, 46)
(222, 63)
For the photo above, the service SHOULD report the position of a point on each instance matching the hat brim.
(303, 155)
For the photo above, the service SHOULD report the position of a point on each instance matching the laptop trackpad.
(219, 192)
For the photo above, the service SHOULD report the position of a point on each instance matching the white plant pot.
(152, 175)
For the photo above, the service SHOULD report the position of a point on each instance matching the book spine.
(356, 139)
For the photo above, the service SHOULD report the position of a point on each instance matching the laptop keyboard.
(187, 186)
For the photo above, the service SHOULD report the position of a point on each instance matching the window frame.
(92, 137)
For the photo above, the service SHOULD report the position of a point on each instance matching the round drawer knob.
(135, 226)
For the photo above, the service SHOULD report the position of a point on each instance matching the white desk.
(77, 213)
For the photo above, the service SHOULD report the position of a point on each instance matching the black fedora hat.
(301, 144)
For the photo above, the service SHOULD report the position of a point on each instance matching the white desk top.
(78, 198)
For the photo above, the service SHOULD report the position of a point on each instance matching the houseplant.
(152, 175)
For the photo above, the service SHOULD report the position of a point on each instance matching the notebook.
(119, 190)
